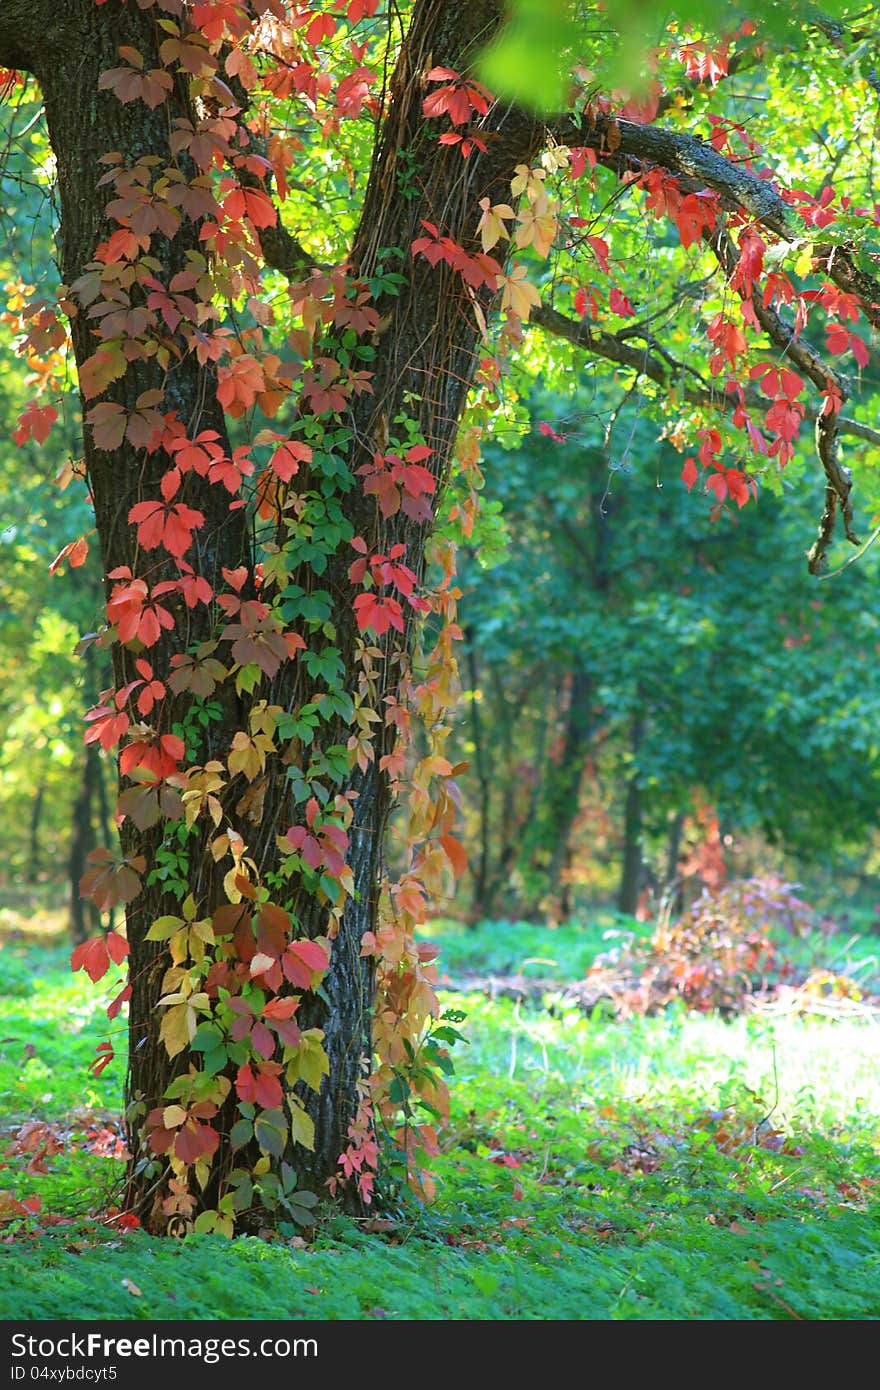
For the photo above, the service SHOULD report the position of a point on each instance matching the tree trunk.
(34, 856)
(422, 370)
(547, 841)
(672, 886)
(520, 797)
(632, 868)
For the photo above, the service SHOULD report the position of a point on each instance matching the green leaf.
(527, 62)
(309, 1062)
(271, 1130)
(214, 1222)
(242, 1133)
(301, 1207)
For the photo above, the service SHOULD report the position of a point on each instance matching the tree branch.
(626, 146)
(664, 369)
(696, 162)
(687, 156)
(799, 351)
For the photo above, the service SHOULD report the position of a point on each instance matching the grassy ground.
(671, 1167)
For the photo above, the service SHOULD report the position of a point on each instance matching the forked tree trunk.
(423, 368)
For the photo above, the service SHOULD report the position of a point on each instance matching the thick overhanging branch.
(630, 146)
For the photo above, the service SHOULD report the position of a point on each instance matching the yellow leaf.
(204, 931)
(491, 225)
(177, 946)
(479, 315)
(174, 1031)
(302, 1127)
(432, 868)
(245, 757)
(555, 158)
(804, 263)
(538, 228)
(528, 181)
(518, 295)
(163, 927)
(173, 1116)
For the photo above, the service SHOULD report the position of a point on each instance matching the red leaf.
(117, 947)
(280, 1008)
(792, 385)
(108, 881)
(455, 853)
(262, 1040)
(287, 458)
(170, 526)
(115, 1005)
(295, 971)
(74, 552)
(246, 1085)
(193, 1140)
(267, 1086)
(103, 1057)
(619, 304)
(35, 422)
(311, 954)
(379, 614)
(108, 421)
(859, 350)
(261, 1085)
(92, 957)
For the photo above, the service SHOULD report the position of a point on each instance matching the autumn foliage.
(266, 477)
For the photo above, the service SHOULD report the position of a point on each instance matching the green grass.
(505, 948)
(654, 1168)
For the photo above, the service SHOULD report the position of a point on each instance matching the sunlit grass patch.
(678, 1165)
